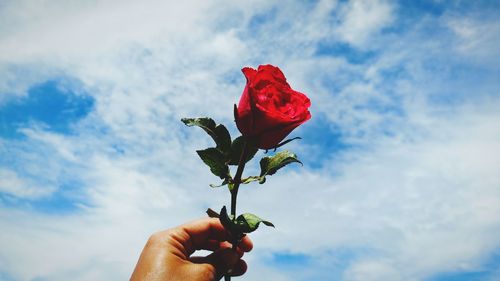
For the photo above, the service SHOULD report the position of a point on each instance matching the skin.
(168, 254)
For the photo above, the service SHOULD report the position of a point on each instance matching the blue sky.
(400, 178)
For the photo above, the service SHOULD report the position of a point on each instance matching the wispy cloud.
(12, 184)
(361, 20)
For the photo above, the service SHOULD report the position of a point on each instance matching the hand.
(167, 254)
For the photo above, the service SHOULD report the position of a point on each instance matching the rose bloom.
(269, 109)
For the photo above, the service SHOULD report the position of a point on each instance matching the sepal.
(284, 142)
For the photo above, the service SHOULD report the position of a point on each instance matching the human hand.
(167, 254)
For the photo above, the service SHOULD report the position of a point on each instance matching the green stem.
(237, 177)
(234, 191)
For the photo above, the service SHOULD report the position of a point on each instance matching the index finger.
(195, 235)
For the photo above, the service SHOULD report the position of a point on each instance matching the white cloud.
(362, 19)
(12, 184)
(372, 270)
(408, 204)
(61, 30)
(414, 200)
(478, 38)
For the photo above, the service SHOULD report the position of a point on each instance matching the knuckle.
(207, 271)
(156, 238)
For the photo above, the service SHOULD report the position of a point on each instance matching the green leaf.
(237, 149)
(211, 213)
(249, 222)
(215, 160)
(219, 133)
(245, 223)
(226, 220)
(269, 165)
(223, 140)
(251, 179)
(226, 181)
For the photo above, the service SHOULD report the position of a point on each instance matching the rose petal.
(269, 109)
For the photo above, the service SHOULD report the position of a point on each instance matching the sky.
(401, 177)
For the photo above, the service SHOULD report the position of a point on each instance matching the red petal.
(249, 73)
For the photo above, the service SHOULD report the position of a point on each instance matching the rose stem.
(237, 177)
(234, 191)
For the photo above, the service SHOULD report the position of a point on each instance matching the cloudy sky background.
(401, 177)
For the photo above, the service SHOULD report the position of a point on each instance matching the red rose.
(269, 108)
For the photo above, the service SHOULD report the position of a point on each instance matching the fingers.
(214, 245)
(205, 234)
(239, 268)
(224, 261)
(245, 244)
(197, 234)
